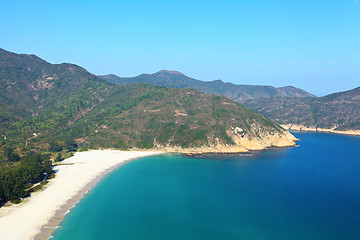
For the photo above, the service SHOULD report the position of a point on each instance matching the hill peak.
(169, 72)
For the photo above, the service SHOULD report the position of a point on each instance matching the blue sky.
(313, 45)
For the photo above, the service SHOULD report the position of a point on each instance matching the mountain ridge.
(239, 93)
(334, 112)
(60, 101)
(285, 105)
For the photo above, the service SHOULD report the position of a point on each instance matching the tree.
(70, 144)
(55, 146)
(10, 155)
(59, 157)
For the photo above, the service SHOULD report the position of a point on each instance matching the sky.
(313, 45)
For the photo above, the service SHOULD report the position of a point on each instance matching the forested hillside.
(239, 93)
(285, 105)
(58, 103)
(339, 110)
(55, 109)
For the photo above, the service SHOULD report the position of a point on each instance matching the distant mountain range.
(285, 105)
(339, 111)
(42, 103)
(239, 93)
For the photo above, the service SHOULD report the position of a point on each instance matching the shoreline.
(301, 128)
(241, 145)
(40, 214)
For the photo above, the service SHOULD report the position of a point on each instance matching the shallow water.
(305, 192)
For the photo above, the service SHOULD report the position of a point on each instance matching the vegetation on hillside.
(64, 102)
(57, 109)
(141, 115)
(286, 105)
(239, 93)
(339, 110)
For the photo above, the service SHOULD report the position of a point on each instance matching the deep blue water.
(306, 192)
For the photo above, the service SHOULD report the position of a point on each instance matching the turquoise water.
(307, 192)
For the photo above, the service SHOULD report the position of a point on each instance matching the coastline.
(241, 144)
(324, 130)
(38, 216)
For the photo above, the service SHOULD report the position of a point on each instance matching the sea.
(311, 191)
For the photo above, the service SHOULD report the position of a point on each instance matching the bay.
(306, 192)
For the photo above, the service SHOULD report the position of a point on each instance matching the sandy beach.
(37, 217)
(325, 130)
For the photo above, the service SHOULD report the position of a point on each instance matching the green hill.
(50, 110)
(44, 103)
(38, 97)
(146, 116)
(338, 110)
(239, 93)
(285, 105)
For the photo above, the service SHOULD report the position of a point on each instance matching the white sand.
(25, 220)
(325, 130)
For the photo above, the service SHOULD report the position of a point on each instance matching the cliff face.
(263, 139)
(241, 142)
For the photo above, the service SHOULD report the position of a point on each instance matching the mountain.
(339, 111)
(239, 93)
(36, 95)
(147, 116)
(284, 105)
(44, 105)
